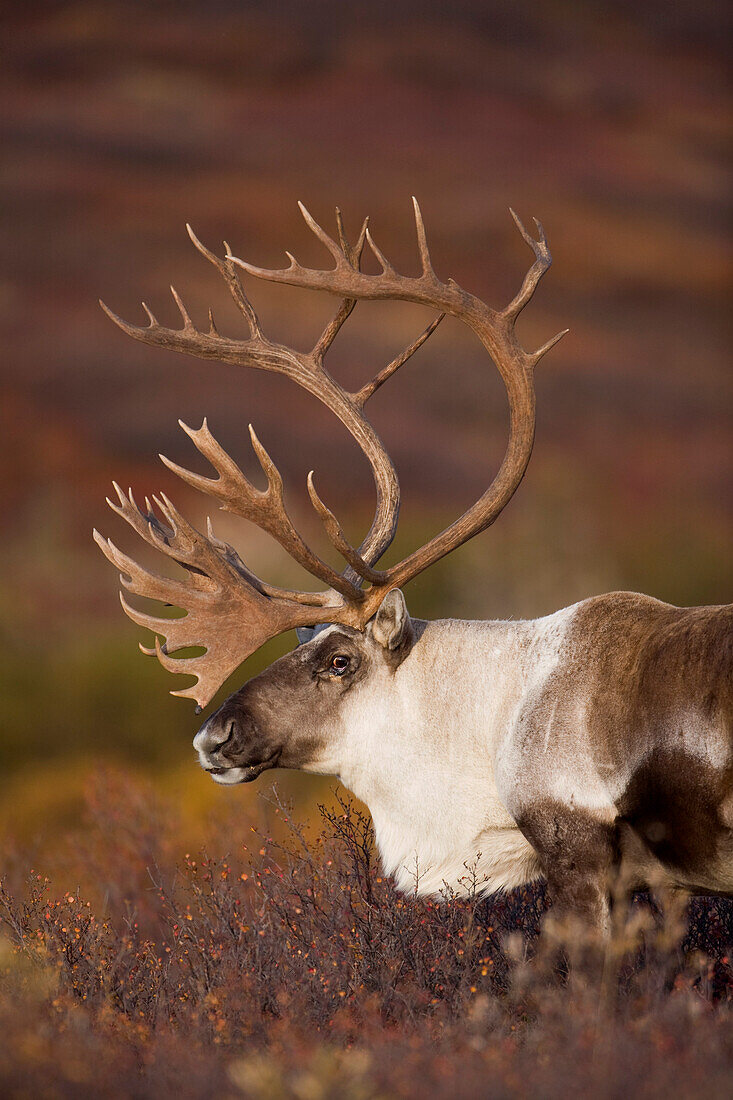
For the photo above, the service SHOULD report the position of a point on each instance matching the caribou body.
(490, 754)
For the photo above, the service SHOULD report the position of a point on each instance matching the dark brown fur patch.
(657, 686)
(673, 804)
(578, 855)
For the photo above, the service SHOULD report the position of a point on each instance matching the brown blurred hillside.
(609, 121)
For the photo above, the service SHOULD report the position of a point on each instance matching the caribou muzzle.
(231, 749)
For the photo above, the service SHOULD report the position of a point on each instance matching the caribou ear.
(391, 624)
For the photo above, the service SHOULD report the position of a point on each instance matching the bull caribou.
(596, 738)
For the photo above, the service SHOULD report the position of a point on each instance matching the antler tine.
(542, 262)
(353, 255)
(547, 346)
(380, 257)
(343, 240)
(367, 391)
(339, 254)
(422, 242)
(275, 489)
(339, 541)
(236, 494)
(132, 330)
(232, 280)
(188, 325)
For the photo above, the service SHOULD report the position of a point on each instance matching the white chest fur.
(420, 746)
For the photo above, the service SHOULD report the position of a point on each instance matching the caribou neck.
(422, 741)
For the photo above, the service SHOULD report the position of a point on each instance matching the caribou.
(565, 748)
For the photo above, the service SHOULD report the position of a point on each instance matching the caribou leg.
(580, 855)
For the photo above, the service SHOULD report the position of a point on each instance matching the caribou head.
(296, 714)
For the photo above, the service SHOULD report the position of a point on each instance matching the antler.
(496, 331)
(305, 368)
(266, 509)
(219, 594)
(231, 612)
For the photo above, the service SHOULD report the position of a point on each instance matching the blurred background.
(123, 120)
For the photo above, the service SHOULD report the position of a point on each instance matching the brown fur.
(578, 854)
(287, 705)
(656, 683)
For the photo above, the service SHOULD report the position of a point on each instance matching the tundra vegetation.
(287, 966)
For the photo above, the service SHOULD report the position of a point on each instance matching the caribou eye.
(338, 665)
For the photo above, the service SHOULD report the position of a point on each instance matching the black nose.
(214, 735)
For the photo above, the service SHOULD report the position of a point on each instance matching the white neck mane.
(420, 746)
